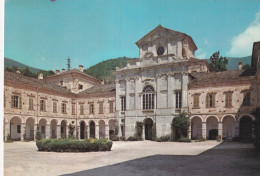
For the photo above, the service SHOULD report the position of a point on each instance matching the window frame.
(54, 106)
(178, 99)
(81, 109)
(123, 103)
(228, 99)
(148, 98)
(91, 108)
(196, 101)
(101, 107)
(211, 100)
(73, 109)
(16, 101)
(30, 104)
(43, 105)
(64, 108)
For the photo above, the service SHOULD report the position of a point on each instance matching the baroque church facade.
(164, 81)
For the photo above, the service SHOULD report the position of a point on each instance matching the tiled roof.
(33, 81)
(99, 89)
(217, 77)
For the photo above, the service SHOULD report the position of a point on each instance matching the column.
(118, 101)
(48, 131)
(220, 129)
(7, 130)
(204, 130)
(67, 130)
(97, 132)
(158, 90)
(22, 131)
(184, 87)
(58, 131)
(170, 88)
(236, 129)
(144, 132)
(138, 88)
(107, 131)
(35, 131)
(86, 131)
(189, 132)
(127, 89)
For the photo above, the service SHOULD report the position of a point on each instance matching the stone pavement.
(136, 158)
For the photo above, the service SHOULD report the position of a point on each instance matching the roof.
(218, 77)
(99, 89)
(160, 27)
(10, 76)
(72, 71)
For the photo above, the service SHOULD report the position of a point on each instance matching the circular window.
(160, 51)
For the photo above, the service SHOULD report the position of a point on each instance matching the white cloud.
(201, 54)
(241, 45)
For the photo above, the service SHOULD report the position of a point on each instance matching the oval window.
(160, 51)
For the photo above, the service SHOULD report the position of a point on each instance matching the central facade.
(154, 88)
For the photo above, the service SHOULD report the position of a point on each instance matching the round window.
(160, 51)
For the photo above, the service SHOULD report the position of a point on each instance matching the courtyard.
(136, 158)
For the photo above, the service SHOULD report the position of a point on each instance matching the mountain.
(11, 62)
(233, 62)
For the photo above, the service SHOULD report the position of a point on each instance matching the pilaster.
(48, 131)
(107, 131)
(220, 129)
(204, 130)
(97, 132)
(22, 130)
(58, 129)
(7, 130)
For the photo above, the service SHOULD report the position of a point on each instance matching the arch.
(229, 127)
(63, 128)
(148, 125)
(112, 127)
(102, 129)
(246, 115)
(228, 115)
(245, 128)
(212, 127)
(42, 127)
(92, 129)
(202, 120)
(53, 126)
(212, 116)
(196, 127)
(82, 129)
(148, 88)
(15, 128)
(30, 128)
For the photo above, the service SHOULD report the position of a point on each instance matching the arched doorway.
(246, 128)
(30, 129)
(112, 128)
(82, 129)
(148, 125)
(196, 128)
(63, 129)
(212, 128)
(229, 128)
(42, 126)
(15, 128)
(102, 133)
(54, 128)
(92, 129)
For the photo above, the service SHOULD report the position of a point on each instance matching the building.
(167, 80)
(52, 104)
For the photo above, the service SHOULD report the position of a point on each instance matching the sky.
(44, 33)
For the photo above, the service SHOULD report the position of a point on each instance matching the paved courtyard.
(136, 158)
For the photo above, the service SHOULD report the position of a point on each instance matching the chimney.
(57, 72)
(17, 70)
(81, 68)
(102, 82)
(63, 70)
(40, 76)
(240, 65)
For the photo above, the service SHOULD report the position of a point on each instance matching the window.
(81, 106)
(246, 101)
(42, 105)
(160, 51)
(178, 99)
(64, 108)
(16, 101)
(123, 103)
(111, 107)
(210, 100)
(228, 100)
(148, 98)
(54, 107)
(18, 128)
(91, 109)
(73, 108)
(196, 99)
(30, 103)
(100, 107)
(61, 82)
(80, 86)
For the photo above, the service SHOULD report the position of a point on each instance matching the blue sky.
(42, 33)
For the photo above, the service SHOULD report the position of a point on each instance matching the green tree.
(217, 62)
(27, 72)
(181, 125)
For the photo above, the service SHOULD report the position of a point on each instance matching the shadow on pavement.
(224, 159)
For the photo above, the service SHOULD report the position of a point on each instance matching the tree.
(217, 62)
(181, 125)
(27, 72)
(246, 67)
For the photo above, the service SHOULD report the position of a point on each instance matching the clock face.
(160, 51)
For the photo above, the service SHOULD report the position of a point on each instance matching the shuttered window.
(228, 100)
(54, 107)
(42, 105)
(30, 103)
(210, 100)
(196, 99)
(16, 101)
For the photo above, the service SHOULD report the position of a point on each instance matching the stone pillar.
(220, 129)
(97, 132)
(127, 89)
(184, 87)
(236, 129)
(35, 131)
(48, 132)
(144, 132)
(204, 130)
(67, 131)
(107, 131)
(138, 88)
(189, 132)
(170, 88)
(7, 130)
(118, 100)
(58, 131)
(23, 125)
(158, 90)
